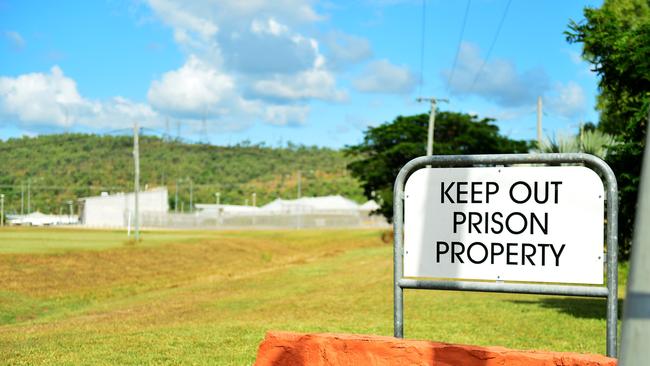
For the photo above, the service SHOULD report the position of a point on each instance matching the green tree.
(616, 41)
(386, 148)
(65, 167)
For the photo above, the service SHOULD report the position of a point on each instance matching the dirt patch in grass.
(101, 274)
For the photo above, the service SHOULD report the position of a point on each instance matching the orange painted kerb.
(296, 349)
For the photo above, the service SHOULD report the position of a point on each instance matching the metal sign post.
(610, 291)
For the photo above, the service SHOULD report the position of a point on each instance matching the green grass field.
(91, 297)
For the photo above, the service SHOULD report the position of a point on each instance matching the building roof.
(325, 203)
(105, 195)
(370, 206)
(211, 208)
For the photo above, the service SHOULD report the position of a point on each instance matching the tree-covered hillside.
(54, 169)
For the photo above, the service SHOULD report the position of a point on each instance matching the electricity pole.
(254, 199)
(218, 197)
(22, 199)
(2, 210)
(191, 197)
(136, 160)
(299, 184)
(432, 120)
(539, 122)
(176, 198)
(636, 325)
(29, 196)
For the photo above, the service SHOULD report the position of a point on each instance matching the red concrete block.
(296, 349)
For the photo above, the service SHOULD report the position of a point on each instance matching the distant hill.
(64, 167)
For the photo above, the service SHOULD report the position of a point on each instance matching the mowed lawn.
(185, 297)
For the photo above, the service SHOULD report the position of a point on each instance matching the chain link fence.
(263, 220)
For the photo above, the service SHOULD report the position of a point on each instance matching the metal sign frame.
(610, 291)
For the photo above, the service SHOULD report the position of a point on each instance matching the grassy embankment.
(89, 297)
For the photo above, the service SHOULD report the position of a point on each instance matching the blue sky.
(310, 72)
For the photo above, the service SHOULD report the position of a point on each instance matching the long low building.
(117, 210)
(40, 219)
(306, 212)
(306, 205)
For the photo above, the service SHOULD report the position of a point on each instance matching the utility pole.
(432, 120)
(22, 199)
(218, 197)
(70, 206)
(636, 317)
(299, 184)
(581, 137)
(167, 135)
(2, 210)
(254, 198)
(191, 197)
(136, 161)
(29, 195)
(539, 122)
(176, 198)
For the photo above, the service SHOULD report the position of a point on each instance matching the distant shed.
(117, 210)
(324, 204)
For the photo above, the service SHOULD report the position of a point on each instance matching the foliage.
(590, 141)
(65, 167)
(386, 148)
(560, 143)
(616, 41)
(596, 142)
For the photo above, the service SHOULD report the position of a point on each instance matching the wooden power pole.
(539, 122)
(432, 120)
(136, 161)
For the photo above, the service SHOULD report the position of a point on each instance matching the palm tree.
(593, 142)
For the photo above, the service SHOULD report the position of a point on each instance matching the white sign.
(538, 224)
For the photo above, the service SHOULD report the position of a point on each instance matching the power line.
(494, 41)
(123, 131)
(460, 39)
(422, 34)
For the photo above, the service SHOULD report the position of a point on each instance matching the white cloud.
(183, 17)
(228, 11)
(514, 92)
(283, 115)
(270, 26)
(53, 99)
(269, 47)
(498, 81)
(16, 40)
(246, 60)
(194, 90)
(567, 100)
(116, 112)
(383, 77)
(198, 90)
(204, 27)
(311, 84)
(39, 97)
(345, 49)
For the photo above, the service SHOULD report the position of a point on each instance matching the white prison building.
(117, 210)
